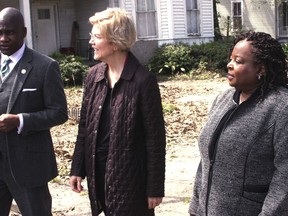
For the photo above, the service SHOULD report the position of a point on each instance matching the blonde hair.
(116, 26)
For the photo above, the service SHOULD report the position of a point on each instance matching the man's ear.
(24, 32)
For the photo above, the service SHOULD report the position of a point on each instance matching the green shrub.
(285, 48)
(180, 58)
(72, 68)
(171, 59)
(216, 54)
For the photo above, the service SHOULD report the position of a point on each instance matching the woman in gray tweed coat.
(244, 144)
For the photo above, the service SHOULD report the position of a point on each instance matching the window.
(284, 14)
(146, 18)
(237, 16)
(192, 17)
(283, 19)
(43, 14)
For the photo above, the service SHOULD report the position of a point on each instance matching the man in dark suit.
(32, 100)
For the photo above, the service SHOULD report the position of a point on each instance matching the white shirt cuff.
(21, 124)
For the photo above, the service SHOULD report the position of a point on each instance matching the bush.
(171, 59)
(72, 68)
(216, 54)
(179, 58)
(285, 48)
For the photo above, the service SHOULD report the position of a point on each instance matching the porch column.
(25, 10)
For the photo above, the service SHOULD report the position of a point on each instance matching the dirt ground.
(188, 103)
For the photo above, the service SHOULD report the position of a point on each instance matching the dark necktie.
(5, 67)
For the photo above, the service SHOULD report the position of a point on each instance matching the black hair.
(268, 52)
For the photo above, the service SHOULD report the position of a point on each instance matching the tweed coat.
(248, 173)
(135, 166)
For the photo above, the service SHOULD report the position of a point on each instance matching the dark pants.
(34, 201)
(100, 181)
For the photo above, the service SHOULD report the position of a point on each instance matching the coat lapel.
(21, 75)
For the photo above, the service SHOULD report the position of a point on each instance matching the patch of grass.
(194, 75)
(56, 180)
(187, 200)
(84, 193)
(168, 108)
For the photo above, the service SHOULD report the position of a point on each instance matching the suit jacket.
(38, 94)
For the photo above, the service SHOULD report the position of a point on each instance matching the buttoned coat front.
(135, 166)
(37, 93)
(247, 174)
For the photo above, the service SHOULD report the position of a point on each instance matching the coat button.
(95, 131)
(100, 107)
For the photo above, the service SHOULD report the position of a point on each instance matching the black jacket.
(135, 166)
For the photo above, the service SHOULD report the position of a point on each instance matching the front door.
(44, 28)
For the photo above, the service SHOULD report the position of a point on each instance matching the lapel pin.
(23, 71)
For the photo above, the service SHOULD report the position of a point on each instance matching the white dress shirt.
(15, 57)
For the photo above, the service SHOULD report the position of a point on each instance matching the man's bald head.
(12, 30)
(12, 15)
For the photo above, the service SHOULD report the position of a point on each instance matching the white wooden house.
(270, 16)
(55, 25)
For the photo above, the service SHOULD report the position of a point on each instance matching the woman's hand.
(75, 183)
(154, 201)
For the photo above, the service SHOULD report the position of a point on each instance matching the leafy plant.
(285, 48)
(180, 58)
(72, 68)
(171, 59)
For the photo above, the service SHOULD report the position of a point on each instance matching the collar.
(236, 96)
(130, 67)
(15, 57)
(254, 96)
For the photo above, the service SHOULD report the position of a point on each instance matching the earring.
(259, 76)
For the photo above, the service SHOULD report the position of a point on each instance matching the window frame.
(237, 18)
(146, 13)
(189, 14)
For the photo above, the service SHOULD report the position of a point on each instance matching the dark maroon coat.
(135, 166)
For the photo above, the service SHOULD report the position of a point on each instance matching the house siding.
(67, 16)
(163, 19)
(172, 27)
(179, 19)
(206, 20)
(9, 3)
(171, 23)
(128, 6)
(257, 16)
(84, 10)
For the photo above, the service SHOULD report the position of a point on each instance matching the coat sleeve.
(276, 201)
(154, 130)
(194, 203)
(78, 162)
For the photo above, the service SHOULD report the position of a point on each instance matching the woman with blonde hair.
(120, 146)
